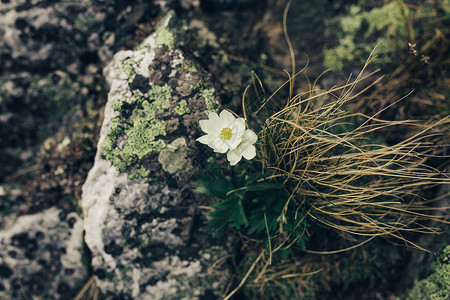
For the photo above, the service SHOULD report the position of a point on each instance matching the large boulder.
(141, 220)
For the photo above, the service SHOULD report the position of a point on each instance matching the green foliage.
(251, 204)
(437, 285)
(214, 182)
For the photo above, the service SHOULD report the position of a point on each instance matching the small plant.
(249, 203)
(319, 167)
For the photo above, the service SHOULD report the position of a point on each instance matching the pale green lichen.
(182, 108)
(165, 37)
(174, 157)
(122, 104)
(143, 172)
(128, 68)
(161, 95)
(387, 20)
(210, 101)
(190, 68)
(437, 285)
(198, 86)
(141, 137)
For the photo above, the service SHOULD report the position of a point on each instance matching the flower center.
(226, 134)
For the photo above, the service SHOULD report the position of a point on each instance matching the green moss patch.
(361, 31)
(437, 285)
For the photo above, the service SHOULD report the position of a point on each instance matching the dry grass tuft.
(89, 291)
(336, 172)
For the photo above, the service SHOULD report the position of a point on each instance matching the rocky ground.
(77, 199)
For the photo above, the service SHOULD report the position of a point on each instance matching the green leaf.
(264, 187)
(213, 182)
(213, 186)
(228, 211)
(238, 217)
(271, 203)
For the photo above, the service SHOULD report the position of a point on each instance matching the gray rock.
(12, 202)
(47, 50)
(141, 222)
(41, 257)
(39, 39)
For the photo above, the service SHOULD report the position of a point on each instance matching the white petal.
(217, 144)
(215, 126)
(239, 125)
(234, 141)
(204, 125)
(248, 151)
(213, 116)
(221, 148)
(227, 118)
(249, 136)
(203, 139)
(234, 156)
(214, 142)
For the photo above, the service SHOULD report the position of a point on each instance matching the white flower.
(245, 148)
(223, 132)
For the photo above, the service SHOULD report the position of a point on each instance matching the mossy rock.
(361, 31)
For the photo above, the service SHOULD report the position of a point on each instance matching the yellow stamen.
(226, 134)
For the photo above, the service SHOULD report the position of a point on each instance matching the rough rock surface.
(11, 203)
(141, 224)
(51, 55)
(41, 256)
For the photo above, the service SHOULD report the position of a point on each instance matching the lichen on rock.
(165, 37)
(174, 158)
(182, 108)
(208, 95)
(160, 90)
(142, 134)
